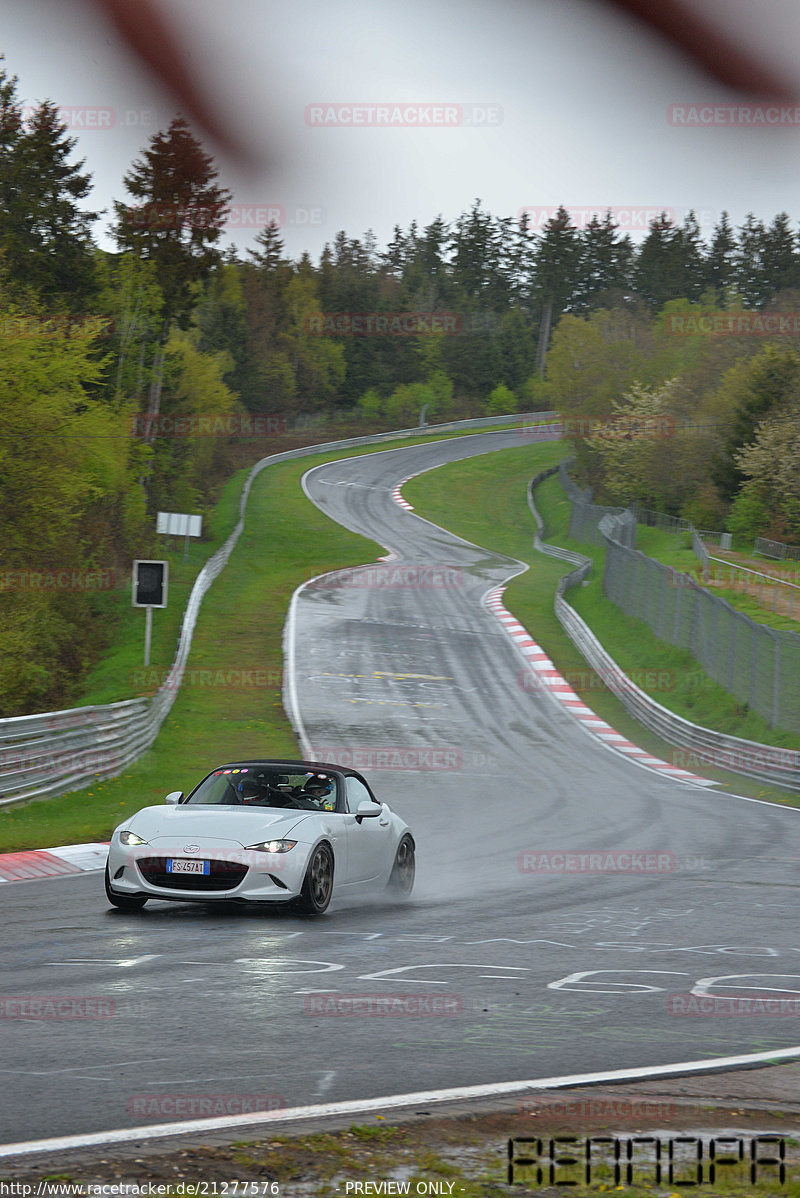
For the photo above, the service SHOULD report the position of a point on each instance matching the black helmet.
(249, 788)
(320, 784)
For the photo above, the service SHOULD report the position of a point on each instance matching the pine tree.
(45, 237)
(720, 263)
(752, 281)
(781, 264)
(671, 262)
(176, 223)
(605, 265)
(178, 216)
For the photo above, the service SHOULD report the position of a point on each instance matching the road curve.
(511, 972)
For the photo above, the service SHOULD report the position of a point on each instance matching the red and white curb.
(397, 494)
(547, 678)
(50, 863)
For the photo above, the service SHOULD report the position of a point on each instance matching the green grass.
(484, 500)
(286, 540)
(120, 673)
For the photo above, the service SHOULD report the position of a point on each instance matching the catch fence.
(757, 664)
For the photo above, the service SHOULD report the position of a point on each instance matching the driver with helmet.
(319, 788)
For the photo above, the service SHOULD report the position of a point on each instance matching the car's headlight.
(272, 846)
(129, 838)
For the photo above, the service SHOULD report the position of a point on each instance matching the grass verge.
(483, 499)
(466, 1156)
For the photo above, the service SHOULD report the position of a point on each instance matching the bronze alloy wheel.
(318, 882)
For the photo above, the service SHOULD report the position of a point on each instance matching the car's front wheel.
(125, 902)
(318, 883)
(401, 881)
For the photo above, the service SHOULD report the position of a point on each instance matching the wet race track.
(502, 967)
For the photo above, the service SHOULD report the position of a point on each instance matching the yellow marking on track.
(394, 703)
(329, 674)
(430, 677)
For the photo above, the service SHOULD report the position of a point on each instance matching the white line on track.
(126, 1135)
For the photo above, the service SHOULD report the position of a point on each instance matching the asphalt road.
(535, 974)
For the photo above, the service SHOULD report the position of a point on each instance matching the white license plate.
(178, 866)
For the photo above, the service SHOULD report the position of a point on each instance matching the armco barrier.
(767, 763)
(61, 751)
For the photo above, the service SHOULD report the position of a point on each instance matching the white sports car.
(262, 832)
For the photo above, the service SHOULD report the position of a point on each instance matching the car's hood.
(247, 825)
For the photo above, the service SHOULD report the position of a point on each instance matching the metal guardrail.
(766, 763)
(60, 751)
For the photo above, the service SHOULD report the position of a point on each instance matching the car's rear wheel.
(401, 881)
(125, 902)
(318, 883)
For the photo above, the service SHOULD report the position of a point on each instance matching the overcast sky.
(555, 101)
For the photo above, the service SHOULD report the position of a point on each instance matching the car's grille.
(225, 875)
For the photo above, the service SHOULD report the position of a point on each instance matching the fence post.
(753, 660)
(776, 679)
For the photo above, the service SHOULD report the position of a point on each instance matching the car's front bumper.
(236, 873)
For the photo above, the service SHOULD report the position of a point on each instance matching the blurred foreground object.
(146, 29)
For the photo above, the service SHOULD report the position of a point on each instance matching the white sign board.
(179, 524)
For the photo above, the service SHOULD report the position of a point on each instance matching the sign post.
(150, 581)
(180, 524)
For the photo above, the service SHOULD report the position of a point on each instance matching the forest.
(138, 379)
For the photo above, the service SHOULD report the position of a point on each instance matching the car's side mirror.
(175, 796)
(367, 810)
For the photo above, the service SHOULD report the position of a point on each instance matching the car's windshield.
(267, 786)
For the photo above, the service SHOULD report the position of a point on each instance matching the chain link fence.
(776, 549)
(767, 763)
(758, 665)
(585, 516)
